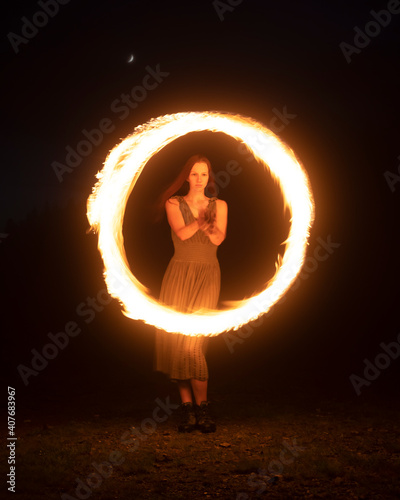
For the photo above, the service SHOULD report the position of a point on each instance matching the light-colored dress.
(191, 282)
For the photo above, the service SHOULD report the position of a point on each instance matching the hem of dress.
(181, 379)
(174, 379)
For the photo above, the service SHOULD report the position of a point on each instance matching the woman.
(191, 282)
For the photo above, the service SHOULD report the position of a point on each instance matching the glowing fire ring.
(125, 162)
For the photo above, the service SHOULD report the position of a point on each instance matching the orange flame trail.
(106, 208)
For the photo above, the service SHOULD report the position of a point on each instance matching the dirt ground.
(261, 449)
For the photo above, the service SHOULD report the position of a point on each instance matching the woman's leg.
(203, 416)
(185, 391)
(187, 417)
(199, 390)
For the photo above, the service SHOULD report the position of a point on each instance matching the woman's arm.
(216, 231)
(176, 221)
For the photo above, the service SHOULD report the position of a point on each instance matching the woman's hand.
(206, 221)
(213, 224)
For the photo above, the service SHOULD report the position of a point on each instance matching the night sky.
(336, 92)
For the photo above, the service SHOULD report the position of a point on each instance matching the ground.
(262, 448)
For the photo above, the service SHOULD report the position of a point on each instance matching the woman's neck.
(195, 197)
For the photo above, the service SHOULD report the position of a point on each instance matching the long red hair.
(179, 182)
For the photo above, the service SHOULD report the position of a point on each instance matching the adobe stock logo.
(372, 29)
(392, 178)
(310, 265)
(372, 370)
(121, 106)
(39, 20)
(222, 7)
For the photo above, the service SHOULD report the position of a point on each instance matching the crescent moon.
(130, 59)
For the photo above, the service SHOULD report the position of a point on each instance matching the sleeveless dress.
(191, 281)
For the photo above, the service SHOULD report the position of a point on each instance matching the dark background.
(261, 56)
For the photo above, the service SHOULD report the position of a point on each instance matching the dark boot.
(203, 417)
(187, 418)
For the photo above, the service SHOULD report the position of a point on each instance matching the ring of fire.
(106, 208)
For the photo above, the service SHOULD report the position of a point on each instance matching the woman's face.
(198, 177)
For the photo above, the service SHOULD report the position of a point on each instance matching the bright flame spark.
(124, 164)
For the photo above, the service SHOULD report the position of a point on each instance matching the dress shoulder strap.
(177, 197)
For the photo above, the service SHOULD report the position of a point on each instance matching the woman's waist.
(198, 252)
